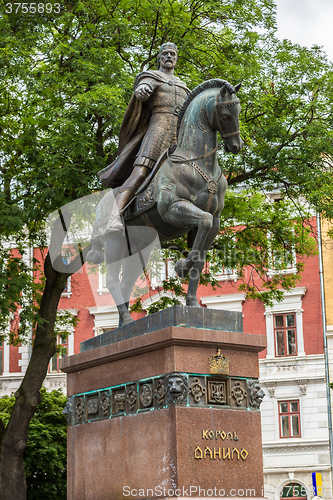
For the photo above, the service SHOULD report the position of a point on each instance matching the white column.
(70, 344)
(24, 361)
(270, 335)
(299, 332)
(6, 348)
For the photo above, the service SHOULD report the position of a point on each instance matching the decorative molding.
(303, 386)
(171, 389)
(197, 390)
(297, 469)
(230, 302)
(152, 299)
(292, 302)
(271, 386)
(105, 318)
(292, 381)
(295, 444)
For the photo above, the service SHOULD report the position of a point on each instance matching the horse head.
(227, 110)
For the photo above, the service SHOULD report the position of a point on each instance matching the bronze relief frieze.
(172, 389)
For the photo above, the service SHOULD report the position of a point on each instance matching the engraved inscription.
(204, 452)
(220, 453)
(210, 434)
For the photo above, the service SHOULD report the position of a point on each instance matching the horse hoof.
(193, 303)
(127, 322)
(181, 269)
(95, 257)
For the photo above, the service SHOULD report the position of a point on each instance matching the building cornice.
(294, 444)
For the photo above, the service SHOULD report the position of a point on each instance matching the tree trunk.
(14, 436)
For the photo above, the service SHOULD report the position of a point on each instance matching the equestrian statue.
(166, 179)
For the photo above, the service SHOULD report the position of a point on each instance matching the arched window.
(293, 491)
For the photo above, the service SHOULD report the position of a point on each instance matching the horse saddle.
(145, 197)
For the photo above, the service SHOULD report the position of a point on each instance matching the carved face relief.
(177, 388)
(256, 394)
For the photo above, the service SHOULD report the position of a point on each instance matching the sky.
(307, 22)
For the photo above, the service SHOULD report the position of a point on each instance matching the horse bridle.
(211, 184)
(219, 146)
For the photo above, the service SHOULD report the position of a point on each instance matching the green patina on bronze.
(185, 189)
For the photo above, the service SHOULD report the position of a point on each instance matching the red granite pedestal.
(130, 436)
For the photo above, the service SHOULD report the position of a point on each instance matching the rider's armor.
(164, 104)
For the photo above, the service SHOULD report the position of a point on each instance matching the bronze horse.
(185, 191)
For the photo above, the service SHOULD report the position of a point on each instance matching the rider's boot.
(123, 197)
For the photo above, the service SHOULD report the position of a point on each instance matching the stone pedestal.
(147, 418)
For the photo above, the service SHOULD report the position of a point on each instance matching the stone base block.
(146, 455)
(148, 420)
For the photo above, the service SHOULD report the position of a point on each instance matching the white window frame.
(6, 351)
(70, 338)
(68, 291)
(152, 299)
(288, 270)
(291, 479)
(225, 275)
(292, 303)
(167, 271)
(101, 282)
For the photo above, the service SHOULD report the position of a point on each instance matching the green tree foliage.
(45, 455)
(288, 126)
(66, 78)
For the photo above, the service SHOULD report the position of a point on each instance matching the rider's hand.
(143, 92)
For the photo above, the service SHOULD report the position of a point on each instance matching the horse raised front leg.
(183, 213)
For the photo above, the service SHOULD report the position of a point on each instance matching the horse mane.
(209, 84)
